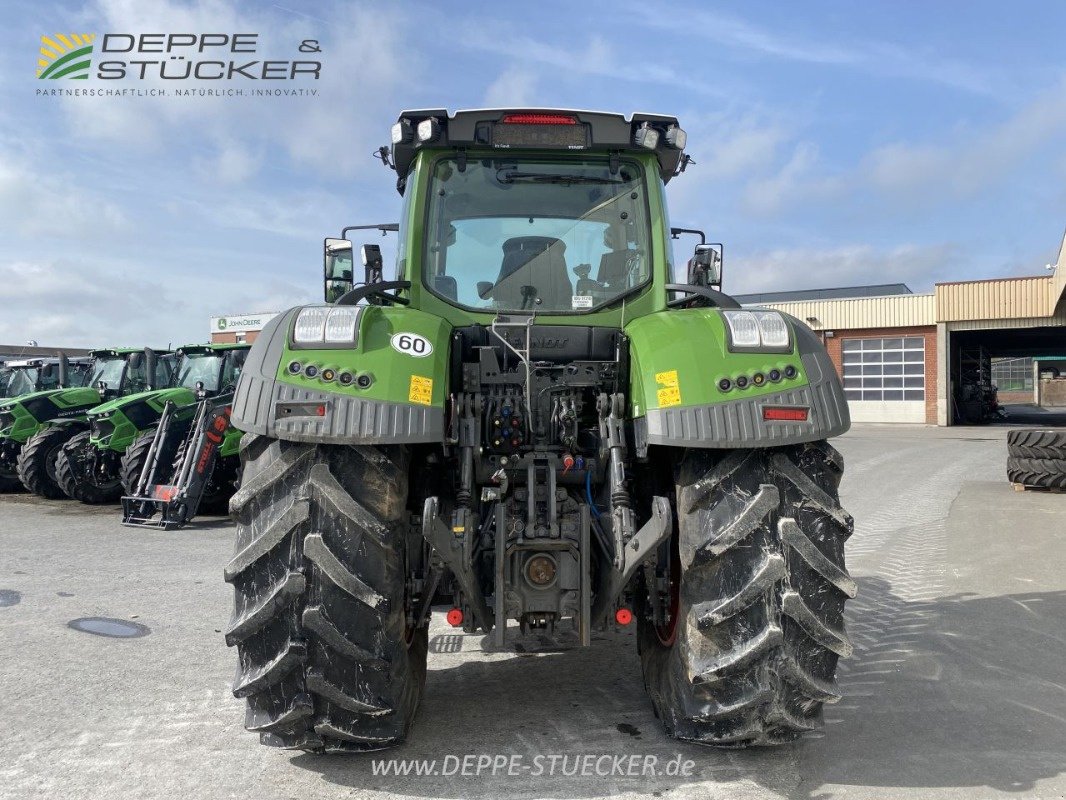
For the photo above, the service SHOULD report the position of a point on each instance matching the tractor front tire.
(133, 461)
(327, 661)
(37, 461)
(75, 486)
(750, 654)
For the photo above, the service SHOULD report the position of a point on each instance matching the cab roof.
(43, 361)
(123, 351)
(511, 129)
(213, 347)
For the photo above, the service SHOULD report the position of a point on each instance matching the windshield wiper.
(545, 177)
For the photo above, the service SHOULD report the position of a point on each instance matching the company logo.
(65, 56)
(222, 324)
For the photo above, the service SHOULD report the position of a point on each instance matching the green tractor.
(98, 465)
(539, 415)
(190, 462)
(35, 427)
(30, 376)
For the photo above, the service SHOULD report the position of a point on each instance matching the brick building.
(239, 327)
(903, 356)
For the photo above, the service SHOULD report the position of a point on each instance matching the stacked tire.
(1037, 457)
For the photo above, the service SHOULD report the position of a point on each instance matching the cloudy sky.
(835, 144)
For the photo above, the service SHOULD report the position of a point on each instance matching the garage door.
(884, 378)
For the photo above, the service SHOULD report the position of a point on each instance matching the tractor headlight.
(401, 132)
(428, 130)
(646, 136)
(310, 325)
(773, 330)
(101, 428)
(326, 325)
(758, 331)
(676, 138)
(341, 325)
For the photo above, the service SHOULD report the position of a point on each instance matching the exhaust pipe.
(64, 370)
(149, 368)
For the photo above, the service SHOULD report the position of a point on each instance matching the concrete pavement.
(957, 688)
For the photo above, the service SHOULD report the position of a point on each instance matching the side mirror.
(484, 289)
(337, 268)
(136, 360)
(373, 262)
(705, 266)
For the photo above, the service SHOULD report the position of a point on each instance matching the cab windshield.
(202, 368)
(78, 373)
(109, 372)
(536, 234)
(18, 381)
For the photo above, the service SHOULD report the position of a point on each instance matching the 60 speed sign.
(412, 344)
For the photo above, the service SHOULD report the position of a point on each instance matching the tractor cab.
(42, 374)
(210, 369)
(124, 371)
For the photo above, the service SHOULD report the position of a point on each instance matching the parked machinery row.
(89, 428)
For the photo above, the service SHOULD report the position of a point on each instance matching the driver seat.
(536, 261)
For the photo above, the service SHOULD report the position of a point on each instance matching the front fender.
(679, 359)
(403, 401)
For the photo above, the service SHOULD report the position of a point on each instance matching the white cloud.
(795, 180)
(514, 87)
(873, 57)
(597, 56)
(976, 159)
(782, 269)
(746, 149)
(232, 162)
(363, 65)
(63, 302)
(34, 202)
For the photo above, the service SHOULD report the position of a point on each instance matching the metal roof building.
(11, 352)
(848, 292)
(910, 357)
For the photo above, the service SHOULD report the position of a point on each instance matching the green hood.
(64, 398)
(156, 397)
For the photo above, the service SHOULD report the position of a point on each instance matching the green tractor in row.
(545, 413)
(36, 426)
(29, 376)
(104, 461)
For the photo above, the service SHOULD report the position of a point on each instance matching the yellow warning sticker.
(670, 396)
(666, 378)
(421, 390)
(669, 393)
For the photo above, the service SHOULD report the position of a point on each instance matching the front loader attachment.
(170, 490)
